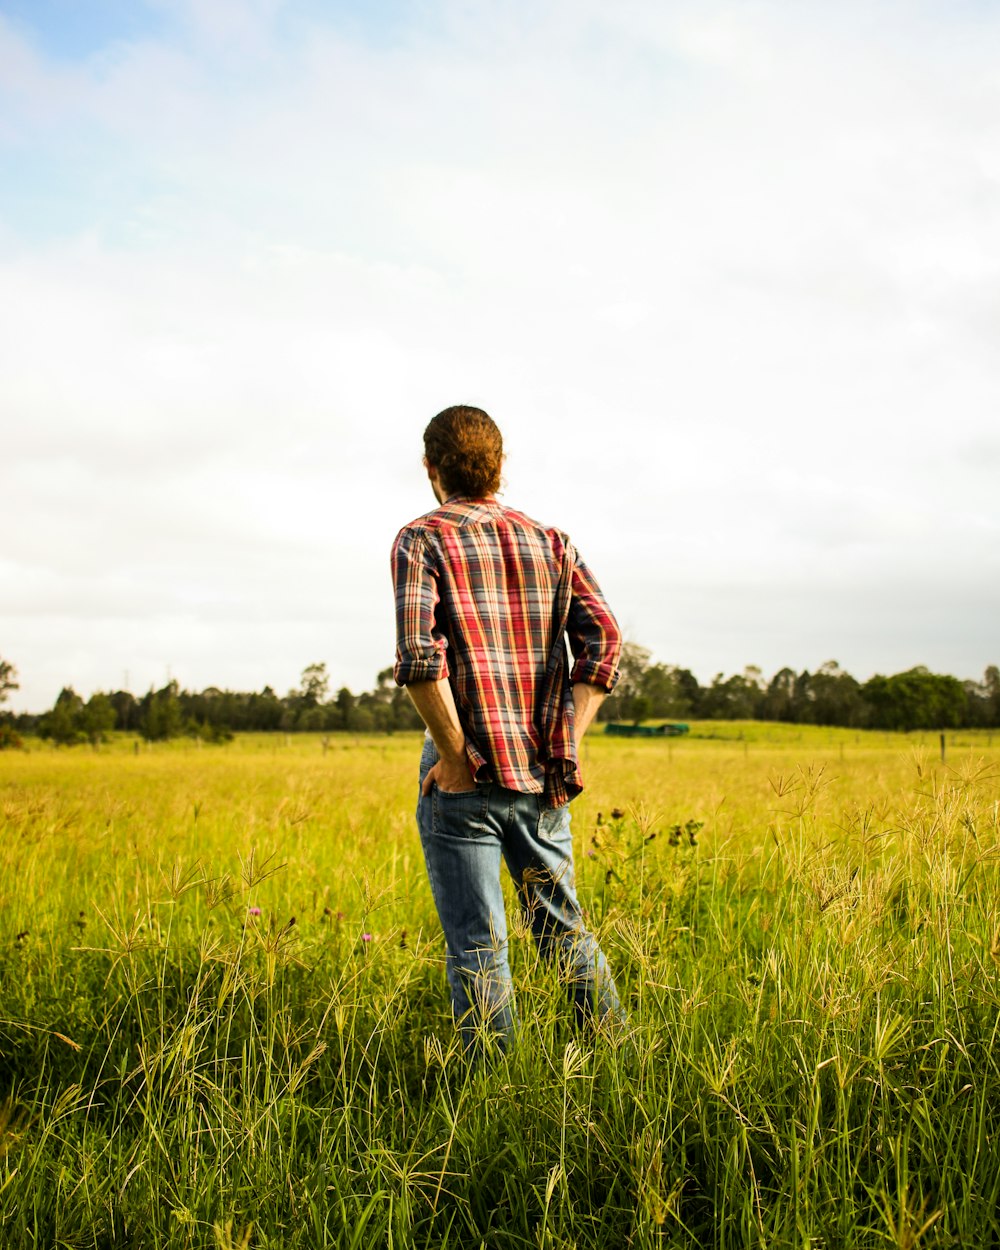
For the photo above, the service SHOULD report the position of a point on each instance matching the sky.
(727, 276)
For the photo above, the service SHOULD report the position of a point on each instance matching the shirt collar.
(488, 501)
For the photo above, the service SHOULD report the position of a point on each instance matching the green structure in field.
(619, 730)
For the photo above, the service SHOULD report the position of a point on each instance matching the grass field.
(224, 1022)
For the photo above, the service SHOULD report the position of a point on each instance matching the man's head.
(463, 450)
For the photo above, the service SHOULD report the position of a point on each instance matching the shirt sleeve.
(594, 636)
(420, 646)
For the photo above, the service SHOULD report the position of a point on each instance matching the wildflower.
(254, 911)
(591, 854)
(366, 937)
(341, 916)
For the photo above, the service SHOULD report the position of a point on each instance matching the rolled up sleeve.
(594, 636)
(420, 647)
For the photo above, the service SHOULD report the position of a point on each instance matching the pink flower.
(366, 937)
(254, 911)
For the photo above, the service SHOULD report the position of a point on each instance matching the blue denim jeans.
(463, 837)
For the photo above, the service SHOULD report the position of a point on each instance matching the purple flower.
(366, 937)
(254, 911)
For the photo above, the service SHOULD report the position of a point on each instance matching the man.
(484, 599)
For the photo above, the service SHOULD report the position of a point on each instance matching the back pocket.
(461, 815)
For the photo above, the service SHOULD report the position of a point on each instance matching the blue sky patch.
(76, 29)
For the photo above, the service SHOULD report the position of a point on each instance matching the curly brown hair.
(465, 447)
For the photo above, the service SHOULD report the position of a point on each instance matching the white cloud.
(726, 276)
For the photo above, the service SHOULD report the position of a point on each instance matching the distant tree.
(916, 699)
(363, 717)
(214, 713)
(733, 698)
(315, 685)
(126, 708)
(8, 735)
(802, 696)
(977, 707)
(311, 719)
(304, 706)
(407, 716)
(63, 725)
(97, 718)
(160, 716)
(379, 702)
(345, 702)
(391, 705)
(264, 710)
(647, 690)
(632, 666)
(778, 702)
(661, 687)
(753, 676)
(8, 679)
(688, 692)
(834, 697)
(991, 682)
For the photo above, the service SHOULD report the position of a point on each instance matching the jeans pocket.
(461, 814)
(428, 757)
(554, 824)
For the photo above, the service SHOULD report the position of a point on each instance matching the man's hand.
(451, 776)
(436, 705)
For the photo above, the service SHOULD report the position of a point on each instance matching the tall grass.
(223, 1019)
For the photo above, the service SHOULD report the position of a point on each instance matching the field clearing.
(224, 1021)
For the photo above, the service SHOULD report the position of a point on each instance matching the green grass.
(813, 982)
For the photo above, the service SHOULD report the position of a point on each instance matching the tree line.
(215, 715)
(915, 699)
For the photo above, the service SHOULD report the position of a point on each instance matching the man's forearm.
(436, 705)
(586, 700)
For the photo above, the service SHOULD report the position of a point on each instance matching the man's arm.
(436, 705)
(586, 700)
(421, 665)
(594, 637)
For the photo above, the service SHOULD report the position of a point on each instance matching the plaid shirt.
(484, 596)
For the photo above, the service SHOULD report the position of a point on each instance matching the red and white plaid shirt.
(484, 596)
